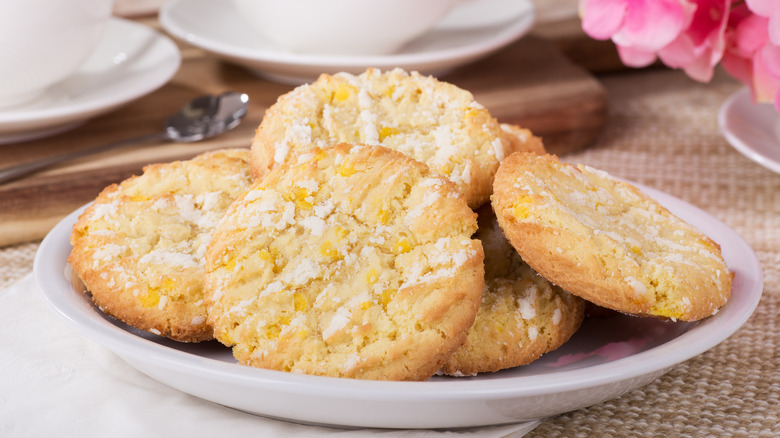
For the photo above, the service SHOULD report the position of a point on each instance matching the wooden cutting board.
(529, 83)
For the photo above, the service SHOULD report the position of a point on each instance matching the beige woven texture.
(662, 132)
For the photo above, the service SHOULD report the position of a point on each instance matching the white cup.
(343, 27)
(44, 41)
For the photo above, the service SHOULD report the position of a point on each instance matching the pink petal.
(736, 17)
(765, 84)
(709, 21)
(652, 24)
(698, 64)
(751, 34)
(770, 57)
(700, 70)
(679, 52)
(635, 57)
(774, 25)
(769, 9)
(739, 67)
(700, 47)
(602, 18)
(761, 7)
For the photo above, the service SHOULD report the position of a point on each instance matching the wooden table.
(661, 130)
(528, 83)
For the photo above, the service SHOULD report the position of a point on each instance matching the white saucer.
(131, 61)
(607, 357)
(752, 128)
(471, 31)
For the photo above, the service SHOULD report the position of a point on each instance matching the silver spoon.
(201, 118)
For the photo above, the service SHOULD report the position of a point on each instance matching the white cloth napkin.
(54, 382)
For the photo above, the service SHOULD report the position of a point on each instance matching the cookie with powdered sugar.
(140, 247)
(519, 139)
(522, 315)
(429, 120)
(604, 240)
(348, 261)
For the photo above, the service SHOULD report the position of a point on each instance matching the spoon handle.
(14, 172)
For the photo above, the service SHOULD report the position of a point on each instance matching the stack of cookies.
(386, 226)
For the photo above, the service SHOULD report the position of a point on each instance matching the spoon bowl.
(207, 116)
(201, 118)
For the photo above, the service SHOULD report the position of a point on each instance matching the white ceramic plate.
(605, 358)
(471, 31)
(752, 128)
(131, 61)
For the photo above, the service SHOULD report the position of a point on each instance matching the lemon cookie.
(140, 247)
(426, 119)
(349, 261)
(519, 139)
(606, 241)
(522, 315)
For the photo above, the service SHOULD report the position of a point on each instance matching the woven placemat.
(662, 132)
(15, 262)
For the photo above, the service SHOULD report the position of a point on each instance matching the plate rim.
(72, 111)
(521, 25)
(726, 113)
(655, 360)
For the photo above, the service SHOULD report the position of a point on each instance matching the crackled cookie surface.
(522, 315)
(140, 247)
(519, 139)
(426, 119)
(605, 241)
(351, 261)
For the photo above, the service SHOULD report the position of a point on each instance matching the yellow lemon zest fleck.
(272, 331)
(266, 255)
(150, 299)
(300, 302)
(343, 92)
(341, 232)
(473, 113)
(667, 312)
(372, 276)
(346, 170)
(327, 249)
(320, 155)
(300, 197)
(226, 339)
(139, 198)
(383, 216)
(520, 208)
(385, 297)
(387, 131)
(402, 246)
(271, 255)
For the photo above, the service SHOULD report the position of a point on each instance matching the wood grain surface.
(528, 83)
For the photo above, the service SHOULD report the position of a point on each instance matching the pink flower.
(700, 47)
(639, 28)
(695, 35)
(751, 57)
(769, 9)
